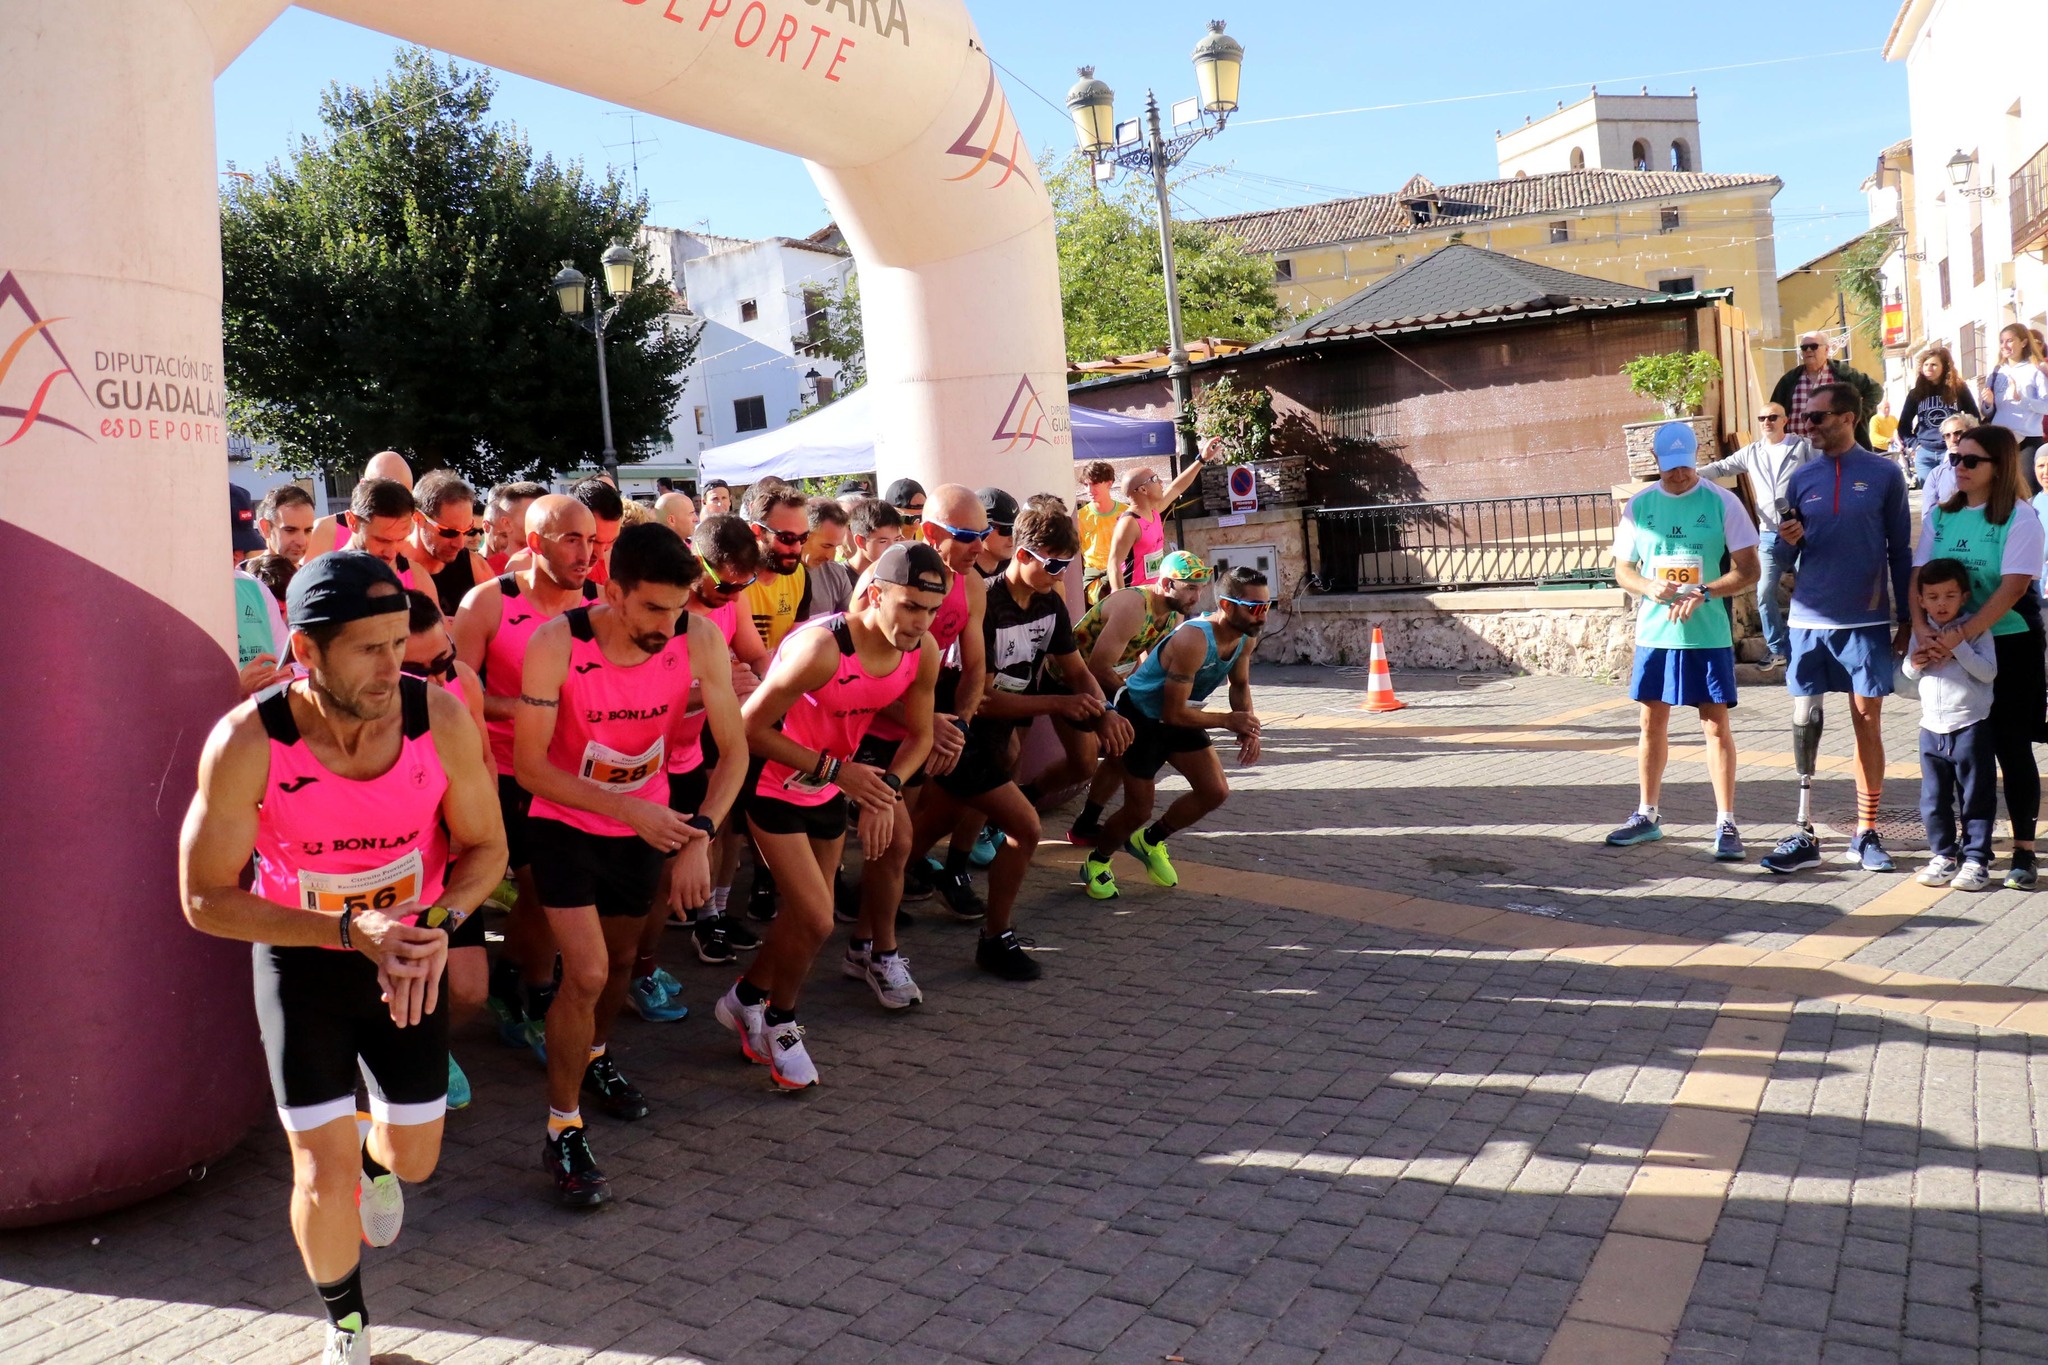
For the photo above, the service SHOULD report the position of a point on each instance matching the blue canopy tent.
(839, 439)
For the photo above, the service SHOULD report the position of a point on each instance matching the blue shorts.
(1856, 659)
(1683, 677)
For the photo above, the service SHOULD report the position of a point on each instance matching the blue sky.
(1817, 122)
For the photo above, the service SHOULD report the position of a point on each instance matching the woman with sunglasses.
(430, 654)
(1139, 542)
(1988, 525)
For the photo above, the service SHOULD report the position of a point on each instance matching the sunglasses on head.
(961, 534)
(1962, 461)
(720, 585)
(790, 539)
(1053, 566)
(1255, 608)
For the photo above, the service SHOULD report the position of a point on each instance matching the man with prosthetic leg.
(603, 689)
(349, 788)
(806, 722)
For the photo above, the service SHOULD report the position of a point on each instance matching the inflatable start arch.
(127, 1041)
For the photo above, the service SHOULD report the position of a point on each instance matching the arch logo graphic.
(32, 368)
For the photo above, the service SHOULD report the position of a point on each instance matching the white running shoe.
(788, 1061)
(854, 966)
(1938, 871)
(380, 1207)
(748, 1021)
(889, 978)
(345, 1347)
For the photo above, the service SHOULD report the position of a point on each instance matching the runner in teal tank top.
(1684, 546)
(1163, 701)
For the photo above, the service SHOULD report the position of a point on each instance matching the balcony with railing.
(2027, 201)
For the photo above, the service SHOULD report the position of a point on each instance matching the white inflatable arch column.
(126, 1041)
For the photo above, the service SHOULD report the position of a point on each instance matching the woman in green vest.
(1988, 525)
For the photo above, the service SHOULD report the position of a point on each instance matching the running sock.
(778, 1016)
(956, 862)
(886, 954)
(1159, 831)
(344, 1301)
(597, 1050)
(2023, 857)
(860, 945)
(560, 1122)
(1647, 811)
(538, 998)
(1090, 817)
(1723, 817)
(371, 1166)
(1866, 809)
(643, 966)
(748, 993)
(719, 896)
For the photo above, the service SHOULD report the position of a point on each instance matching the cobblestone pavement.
(1409, 1069)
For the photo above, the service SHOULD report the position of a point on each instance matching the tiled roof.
(1420, 205)
(1458, 282)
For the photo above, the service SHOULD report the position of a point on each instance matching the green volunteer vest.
(1969, 537)
(252, 621)
(1682, 540)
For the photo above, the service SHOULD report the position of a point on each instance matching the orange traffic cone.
(1379, 686)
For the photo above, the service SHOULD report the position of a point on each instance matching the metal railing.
(2027, 204)
(1556, 538)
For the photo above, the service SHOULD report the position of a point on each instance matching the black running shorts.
(686, 791)
(616, 873)
(513, 803)
(825, 822)
(319, 1011)
(1153, 742)
(469, 933)
(985, 764)
(880, 753)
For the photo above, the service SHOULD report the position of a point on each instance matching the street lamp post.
(571, 292)
(1219, 62)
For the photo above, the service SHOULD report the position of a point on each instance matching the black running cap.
(336, 588)
(999, 505)
(913, 564)
(242, 521)
(901, 492)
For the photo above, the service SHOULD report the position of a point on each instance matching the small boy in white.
(1957, 763)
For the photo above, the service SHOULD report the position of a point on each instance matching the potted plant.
(1243, 420)
(1677, 382)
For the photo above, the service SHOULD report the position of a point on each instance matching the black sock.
(1032, 792)
(344, 1298)
(1091, 815)
(893, 952)
(371, 1166)
(779, 1016)
(956, 862)
(860, 945)
(1158, 832)
(538, 998)
(2023, 857)
(749, 993)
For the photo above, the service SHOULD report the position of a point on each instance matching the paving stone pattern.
(1218, 1130)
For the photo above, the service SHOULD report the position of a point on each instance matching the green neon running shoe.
(1158, 866)
(1099, 879)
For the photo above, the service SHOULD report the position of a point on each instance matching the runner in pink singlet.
(602, 693)
(492, 628)
(349, 789)
(805, 723)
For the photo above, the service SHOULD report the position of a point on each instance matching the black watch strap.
(703, 822)
(895, 783)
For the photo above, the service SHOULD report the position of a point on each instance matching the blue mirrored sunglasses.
(962, 534)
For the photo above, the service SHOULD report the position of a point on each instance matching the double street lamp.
(1219, 61)
(572, 292)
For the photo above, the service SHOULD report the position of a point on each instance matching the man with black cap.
(806, 723)
(717, 499)
(907, 497)
(259, 628)
(1002, 518)
(351, 789)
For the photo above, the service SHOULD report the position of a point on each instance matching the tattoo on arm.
(548, 702)
(1172, 676)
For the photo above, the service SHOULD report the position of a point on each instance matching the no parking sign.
(1244, 489)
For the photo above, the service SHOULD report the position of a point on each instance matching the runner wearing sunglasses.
(444, 514)
(1163, 703)
(1026, 622)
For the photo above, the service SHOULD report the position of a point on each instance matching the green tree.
(837, 336)
(386, 288)
(1112, 286)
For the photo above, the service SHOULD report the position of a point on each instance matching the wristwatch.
(347, 914)
(440, 917)
(894, 782)
(703, 822)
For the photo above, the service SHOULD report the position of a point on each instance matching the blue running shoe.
(1795, 853)
(1727, 844)
(652, 1002)
(1868, 849)
(1637, 829)
(458, 1086)
(985, 847)
(511, 1017)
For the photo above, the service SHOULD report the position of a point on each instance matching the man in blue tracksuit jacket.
(1852, 526)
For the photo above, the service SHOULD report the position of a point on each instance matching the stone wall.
(1576, 632)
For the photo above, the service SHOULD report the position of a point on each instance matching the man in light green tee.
(1684, 547)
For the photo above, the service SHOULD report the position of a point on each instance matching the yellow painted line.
(1869, 922)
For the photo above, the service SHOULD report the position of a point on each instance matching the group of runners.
(594, 713)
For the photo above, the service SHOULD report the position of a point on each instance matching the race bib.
(1679, 569)
(617, 771)
(805, 783)
(1005, 683)
(396, 883)
(1153, 561)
